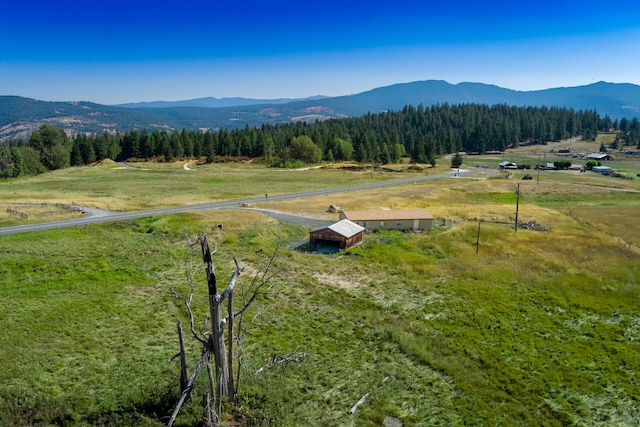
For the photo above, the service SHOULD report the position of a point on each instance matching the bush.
(591, 163)
(290, 164)
(457, 161)
(562, 164)
(303, 148)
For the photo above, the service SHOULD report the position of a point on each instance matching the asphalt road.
(93, 216)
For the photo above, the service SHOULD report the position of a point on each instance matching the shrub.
(456, 161)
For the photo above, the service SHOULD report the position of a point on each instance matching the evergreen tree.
(86, 150)
(19, 164)
(456, 161)
(398, 152)
(76, 154)
(385, 157)
(53, 145)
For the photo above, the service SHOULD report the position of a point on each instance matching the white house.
(508, 165)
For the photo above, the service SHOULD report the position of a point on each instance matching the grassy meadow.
(149, 185)
(525, 328)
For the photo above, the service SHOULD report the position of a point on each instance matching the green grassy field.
(537, 328)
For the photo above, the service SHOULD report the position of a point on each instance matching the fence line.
(61, 212)
(22, 215)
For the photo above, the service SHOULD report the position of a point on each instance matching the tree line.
(421, 133)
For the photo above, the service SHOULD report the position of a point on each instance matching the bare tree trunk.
(217, 337)
(206, 409)
(221, 383)
(232, 391)
(184, 374)
(187, 390)
(213, 410)
(217, 327)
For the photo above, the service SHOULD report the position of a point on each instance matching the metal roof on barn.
(599, 156)
(344, 228)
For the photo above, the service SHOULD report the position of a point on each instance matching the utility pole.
(541, 165)
(517, 205)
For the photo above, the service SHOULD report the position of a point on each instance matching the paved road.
(93, 216)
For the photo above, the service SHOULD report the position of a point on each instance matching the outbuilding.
(599, 156)
(602, 169)
(391, 219)
(342, 234)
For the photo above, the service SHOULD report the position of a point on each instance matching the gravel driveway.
(294, 219)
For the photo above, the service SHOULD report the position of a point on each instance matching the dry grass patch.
(427, 195)
(9, 214)
(575, 145)
(620, 222)
(337, 280)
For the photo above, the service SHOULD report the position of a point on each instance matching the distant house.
(508, 165)
(342, 234)
(391, 219)
(599, 156)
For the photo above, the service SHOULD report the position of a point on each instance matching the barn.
(599, 156)
(342, 234)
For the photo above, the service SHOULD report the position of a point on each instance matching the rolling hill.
(20, 116)
(211, 102)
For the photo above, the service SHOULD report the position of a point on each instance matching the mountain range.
(20, 116)
(211, 102)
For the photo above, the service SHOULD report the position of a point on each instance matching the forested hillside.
(21, 116)
(423, 134)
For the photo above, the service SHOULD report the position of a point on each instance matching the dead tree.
(221, 378)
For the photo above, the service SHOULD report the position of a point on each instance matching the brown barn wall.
(331, 236)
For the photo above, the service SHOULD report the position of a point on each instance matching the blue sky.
(126, 51)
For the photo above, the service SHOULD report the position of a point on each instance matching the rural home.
(508, 165)
(390, 219)
(342, 234)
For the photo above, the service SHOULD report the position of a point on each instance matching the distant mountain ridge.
(211, 102)
(20, 116)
